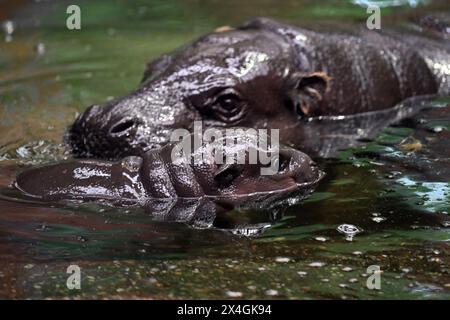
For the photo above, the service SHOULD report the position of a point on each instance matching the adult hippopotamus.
(175, 171)
(265, 74)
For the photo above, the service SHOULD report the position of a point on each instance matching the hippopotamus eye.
(227, 107)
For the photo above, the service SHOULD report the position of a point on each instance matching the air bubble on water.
(437, 129)
(40, 49)
(282, 259)
(234, 294)
(271, 292)
(321, 239)
(302, 273)
(348, 230)
(8, 28)
(316, 264)
(347, 269)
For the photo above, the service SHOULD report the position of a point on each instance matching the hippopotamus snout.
(168, 173)
(130, 125)
(97, 126)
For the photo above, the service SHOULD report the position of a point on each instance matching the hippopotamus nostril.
(122, 127)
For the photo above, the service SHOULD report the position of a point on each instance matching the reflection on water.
(399, 197)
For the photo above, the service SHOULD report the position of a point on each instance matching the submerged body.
(265, 74)
(166, 173)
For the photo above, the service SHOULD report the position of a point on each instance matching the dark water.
(395, 188)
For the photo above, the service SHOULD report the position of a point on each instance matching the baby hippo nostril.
(122, 127)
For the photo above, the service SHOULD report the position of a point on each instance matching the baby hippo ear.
(307, 90)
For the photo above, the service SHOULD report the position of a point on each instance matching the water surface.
(394, 188)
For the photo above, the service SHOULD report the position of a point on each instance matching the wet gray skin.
(266, 74)
(157, 175)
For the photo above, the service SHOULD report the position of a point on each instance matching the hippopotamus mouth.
(168, 173)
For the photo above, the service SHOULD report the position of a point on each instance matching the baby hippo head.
(233, 165)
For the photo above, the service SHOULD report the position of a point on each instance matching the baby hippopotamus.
(177, 171)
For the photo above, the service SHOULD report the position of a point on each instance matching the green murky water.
(395, 188)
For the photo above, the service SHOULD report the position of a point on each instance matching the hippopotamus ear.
(307, 90)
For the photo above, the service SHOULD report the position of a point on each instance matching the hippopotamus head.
(239, 77)
(173, 171)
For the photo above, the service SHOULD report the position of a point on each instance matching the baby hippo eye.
(228, 107)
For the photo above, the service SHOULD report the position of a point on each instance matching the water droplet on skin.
(132, 163)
